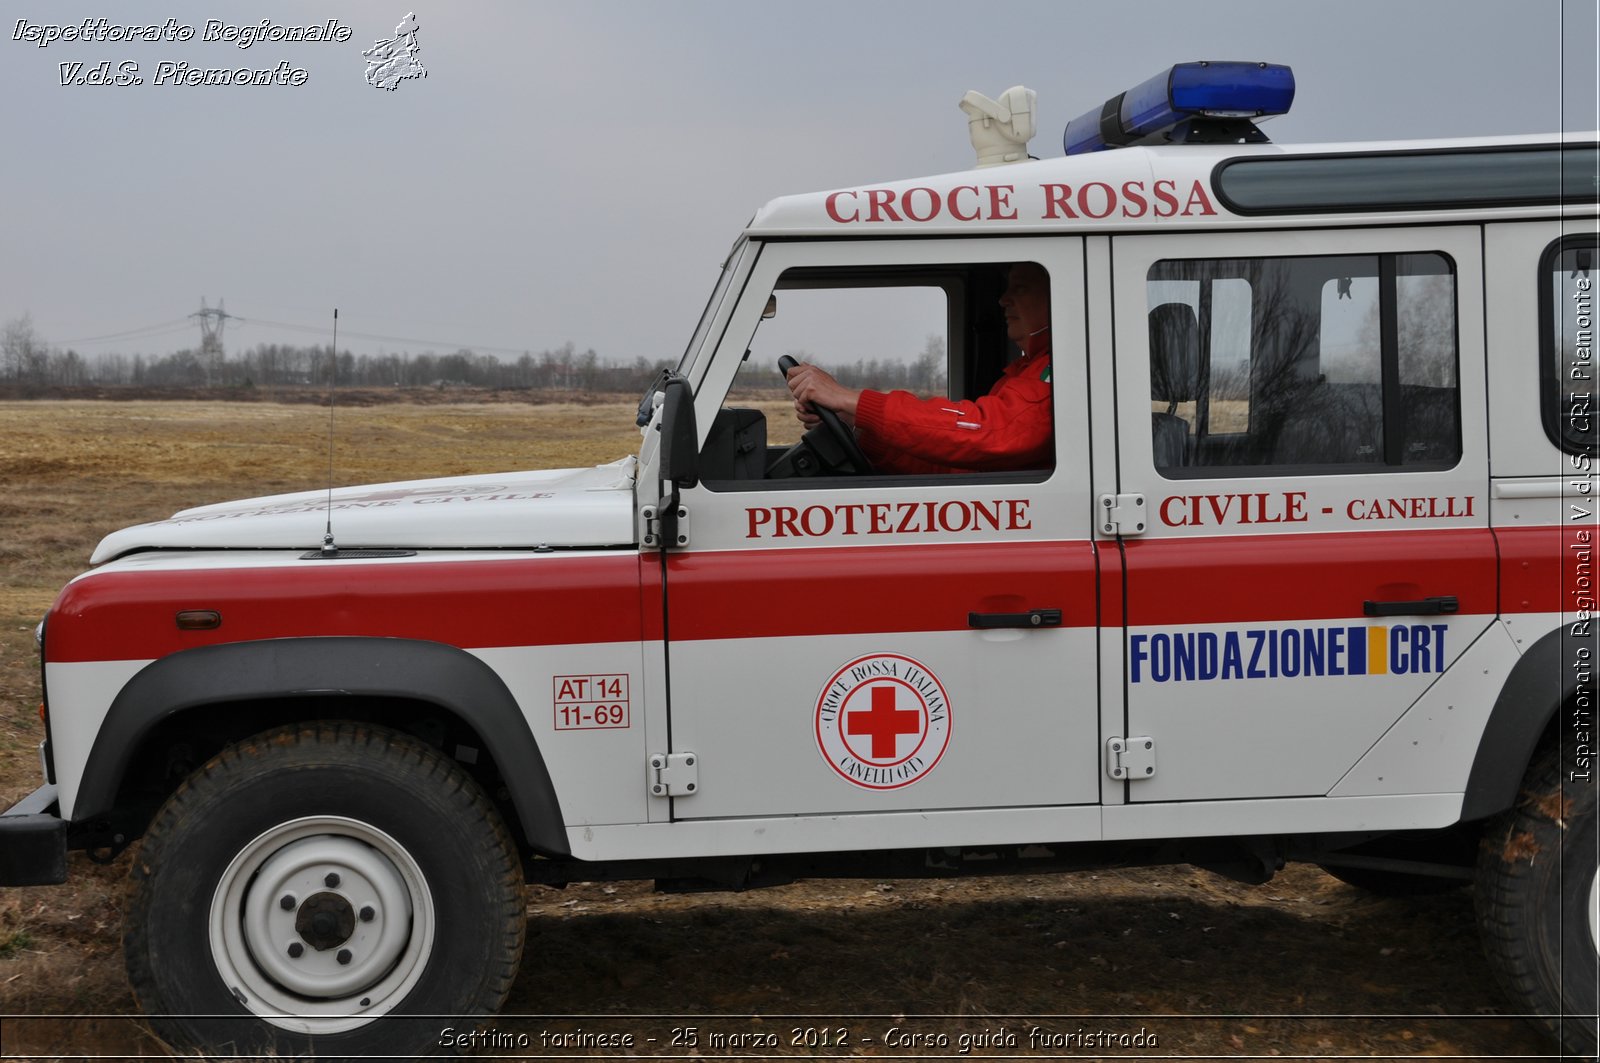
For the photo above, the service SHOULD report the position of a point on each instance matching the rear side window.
(1322, 363)
(1566, 348)
(1524, 175)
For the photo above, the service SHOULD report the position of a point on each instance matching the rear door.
(1302, 416)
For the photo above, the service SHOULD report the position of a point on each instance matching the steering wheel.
(837, 429)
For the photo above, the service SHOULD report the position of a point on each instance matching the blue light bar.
(1215, 98)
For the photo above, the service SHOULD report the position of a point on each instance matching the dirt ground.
(1070, 966)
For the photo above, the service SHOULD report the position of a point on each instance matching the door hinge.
(1131, 758)
(674, 774)
(677, 528)
(1122, 514)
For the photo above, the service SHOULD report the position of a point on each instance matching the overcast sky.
(578, 170)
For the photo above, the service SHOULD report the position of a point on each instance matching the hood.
(561, 507)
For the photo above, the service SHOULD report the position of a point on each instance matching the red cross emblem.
(882, 721)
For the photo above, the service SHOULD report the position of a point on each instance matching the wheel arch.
(1540, 684)
(276, 681)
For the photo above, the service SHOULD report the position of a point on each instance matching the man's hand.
(813, 387)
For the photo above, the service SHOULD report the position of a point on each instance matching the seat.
(1174, 378)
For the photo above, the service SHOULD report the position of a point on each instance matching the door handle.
(1032, 618)
(1435, 606)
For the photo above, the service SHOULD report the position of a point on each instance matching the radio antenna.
(328, 548)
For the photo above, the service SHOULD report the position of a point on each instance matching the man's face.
(1026, 301)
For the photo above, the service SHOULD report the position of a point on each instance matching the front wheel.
(308, 889)
(1538, 901)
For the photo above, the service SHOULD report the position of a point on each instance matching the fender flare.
(321, 668)
(1539, 684)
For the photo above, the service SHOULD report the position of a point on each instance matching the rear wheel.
(1538, 901)
(309, 889)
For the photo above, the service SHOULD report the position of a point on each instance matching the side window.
(1325, 364)
(885, 337)
(1566, 347)
(927, 341)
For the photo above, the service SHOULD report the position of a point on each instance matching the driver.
(1009, 428)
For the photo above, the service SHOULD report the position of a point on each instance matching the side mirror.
(680, 443)
(647, 405)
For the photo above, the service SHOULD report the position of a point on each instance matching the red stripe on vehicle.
(1237, 578)
(541, 601)
(131, 615)
(856, 590)
(1539, 569)
(1113, 607)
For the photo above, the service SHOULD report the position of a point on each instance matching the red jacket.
(1009, 428)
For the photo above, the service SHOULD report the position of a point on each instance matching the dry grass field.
(1303, 966)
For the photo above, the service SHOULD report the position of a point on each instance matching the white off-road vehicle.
(1308, 576)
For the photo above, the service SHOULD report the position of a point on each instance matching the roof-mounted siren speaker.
(1190, 103)
(1000, 129)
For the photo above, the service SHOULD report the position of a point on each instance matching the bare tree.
(928, 372)
(23, 355)
(1425, 313)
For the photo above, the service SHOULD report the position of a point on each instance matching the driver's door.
(855, 644)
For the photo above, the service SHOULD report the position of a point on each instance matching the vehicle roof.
(1174, 181)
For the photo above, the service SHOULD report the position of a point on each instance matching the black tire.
(1392, 883)
(336, 868)
(1535, 892)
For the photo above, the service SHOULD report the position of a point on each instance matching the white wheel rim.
(322, 924)
(1594, 910)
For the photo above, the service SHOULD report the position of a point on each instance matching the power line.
(394, 339)
(126, 333)
(145, 332)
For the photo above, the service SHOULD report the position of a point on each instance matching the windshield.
(710, 312)
(647, 401)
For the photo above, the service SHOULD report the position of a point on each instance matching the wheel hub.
(325, 921)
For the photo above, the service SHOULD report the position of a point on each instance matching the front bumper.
(33, 841)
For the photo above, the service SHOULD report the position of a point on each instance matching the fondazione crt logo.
(389, 62)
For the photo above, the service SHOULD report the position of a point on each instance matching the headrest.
(1174, 353)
